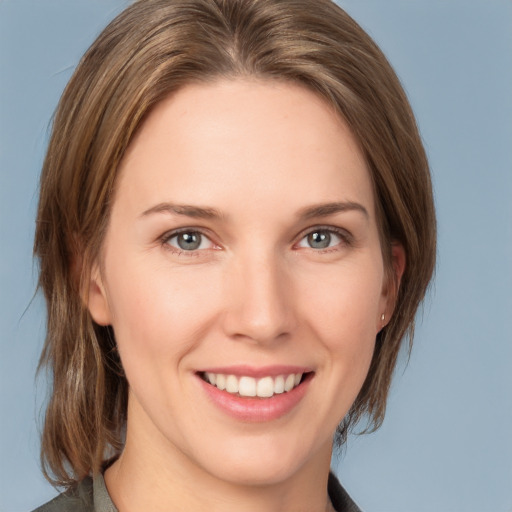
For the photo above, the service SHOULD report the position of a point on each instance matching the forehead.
(248, 140)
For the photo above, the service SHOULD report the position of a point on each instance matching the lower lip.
(254, 409)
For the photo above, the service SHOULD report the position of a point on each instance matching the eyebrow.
(309, 212)
(184, 209)
(328, 209)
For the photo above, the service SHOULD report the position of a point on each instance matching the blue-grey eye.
(319, 239)
(188, 241)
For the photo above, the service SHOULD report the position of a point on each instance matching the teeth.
(289, 382)
(247, 386)
(265, 387)
(231, 384)
(279, 385)
(220, 381)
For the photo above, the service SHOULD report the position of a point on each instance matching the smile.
(246, 386)
(256, 395)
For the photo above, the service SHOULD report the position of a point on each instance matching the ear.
(96, 298)
(392, 285)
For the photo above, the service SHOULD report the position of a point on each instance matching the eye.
(188, 241)
(322, 239)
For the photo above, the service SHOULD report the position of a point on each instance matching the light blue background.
(446, 444)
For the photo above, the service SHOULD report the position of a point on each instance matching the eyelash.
(346, 239)
(166, 237)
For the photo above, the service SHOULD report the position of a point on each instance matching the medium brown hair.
(150, 50)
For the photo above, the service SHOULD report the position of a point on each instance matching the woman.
(235, 231)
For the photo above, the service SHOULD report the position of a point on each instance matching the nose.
(260, 303)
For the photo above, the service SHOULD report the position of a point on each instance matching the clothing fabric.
(88, 496)
(91, 495)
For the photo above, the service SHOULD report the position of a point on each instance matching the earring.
(382, 317)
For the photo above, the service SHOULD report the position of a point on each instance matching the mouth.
(256, 395)
(246, 386)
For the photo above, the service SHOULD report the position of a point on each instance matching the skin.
(255, 292)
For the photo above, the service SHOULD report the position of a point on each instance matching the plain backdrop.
(446, 444)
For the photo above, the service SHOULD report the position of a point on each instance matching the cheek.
(341, 311)
(346, 299)
(159, 312)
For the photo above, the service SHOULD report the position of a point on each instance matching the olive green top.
(88, 496)
(91, 495)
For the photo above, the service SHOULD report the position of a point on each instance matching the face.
(243, 276)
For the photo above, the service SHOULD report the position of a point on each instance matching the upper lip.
(256, 372)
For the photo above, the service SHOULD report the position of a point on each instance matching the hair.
(151, 49)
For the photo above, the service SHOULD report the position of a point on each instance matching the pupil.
(319, 239)
(189, 241)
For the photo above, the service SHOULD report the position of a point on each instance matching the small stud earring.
(382, 317)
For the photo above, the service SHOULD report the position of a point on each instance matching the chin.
(261, 460)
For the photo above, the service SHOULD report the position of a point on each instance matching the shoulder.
(77, 499)
(340, 499)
